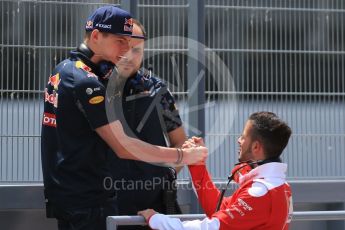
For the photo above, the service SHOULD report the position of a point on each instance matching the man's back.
(73, 155)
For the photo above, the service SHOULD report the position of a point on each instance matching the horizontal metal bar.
(166, 50)
(114, 221)
(65, 2)
(162, 6)
(318, 215)
(270, 51)
(266, 93)
(320, 181)
(20, 91)
(36, 47)
(23, 185)
(276, 93)
(295, 134)
(19, 136)
(269, 8)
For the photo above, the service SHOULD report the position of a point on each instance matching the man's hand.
(147, 214)
(196, 147)
(194, 155)
(193, 142)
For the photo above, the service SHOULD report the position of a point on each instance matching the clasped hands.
(195, 152)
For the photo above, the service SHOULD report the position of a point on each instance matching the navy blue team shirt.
(142, 91)
(73, 155)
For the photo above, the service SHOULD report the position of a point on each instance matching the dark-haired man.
(151, 115)
(263, 200)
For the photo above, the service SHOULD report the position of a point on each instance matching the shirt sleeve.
(162, 222)
(207, 192)
(89, 94)
(171, 114)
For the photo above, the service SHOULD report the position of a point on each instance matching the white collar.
(268, 170)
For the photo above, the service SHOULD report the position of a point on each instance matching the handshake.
(193, 152)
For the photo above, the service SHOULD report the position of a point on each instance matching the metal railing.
(114, 221)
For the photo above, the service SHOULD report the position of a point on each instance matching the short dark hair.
(271, 131)
(87, 35)
(142, 28)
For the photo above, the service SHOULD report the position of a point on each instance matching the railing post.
(196, 63)
(111, 223)
(196, 75)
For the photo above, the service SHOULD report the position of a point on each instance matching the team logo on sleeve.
(51, 98)
(81, 65)
(49, 119)
(89, 91)
(96, 100)
(54, 81)
(92, 75)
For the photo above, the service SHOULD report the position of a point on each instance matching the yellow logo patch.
(81, 65)
(96, 100)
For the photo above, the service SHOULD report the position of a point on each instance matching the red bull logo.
(129, 21)
(89, 25)
(81, 65)
(128, 26)
(54, 81)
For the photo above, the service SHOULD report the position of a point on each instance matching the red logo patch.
(128, 26)
(54, 81)
(89, 25)
(49, 119)
(51, 98)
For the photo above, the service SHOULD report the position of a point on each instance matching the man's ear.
(257, 147)
(95, 35)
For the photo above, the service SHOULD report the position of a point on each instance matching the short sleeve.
(171, 114)
(90, 98)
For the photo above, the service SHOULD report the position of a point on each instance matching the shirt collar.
(268, 170)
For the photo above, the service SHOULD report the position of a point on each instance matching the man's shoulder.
(147, 74)
(158, 81)
(74, 68)
(253, 188)
(261, 187)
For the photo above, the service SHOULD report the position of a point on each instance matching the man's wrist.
(179, 156)
(149, 218)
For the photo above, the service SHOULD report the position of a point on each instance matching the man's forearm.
(162, 222)
(208, 193)
(177, 138)
(134, 149)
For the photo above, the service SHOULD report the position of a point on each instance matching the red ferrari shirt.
(263, 201)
